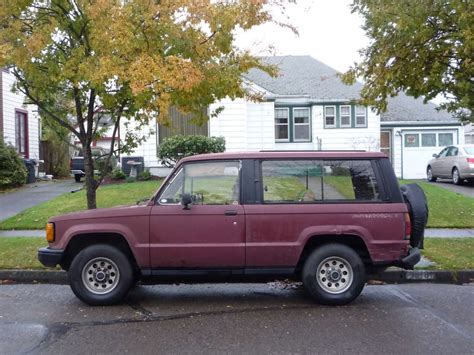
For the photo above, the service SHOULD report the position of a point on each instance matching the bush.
(178, 147)
(144, 175)
(118, 174)
(12, 168)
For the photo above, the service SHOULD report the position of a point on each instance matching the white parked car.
(454, 162)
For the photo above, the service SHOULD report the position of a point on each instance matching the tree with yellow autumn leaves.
(129, 59)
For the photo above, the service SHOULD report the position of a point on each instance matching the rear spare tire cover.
(418, 210)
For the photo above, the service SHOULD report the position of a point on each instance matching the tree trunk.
(91, 184)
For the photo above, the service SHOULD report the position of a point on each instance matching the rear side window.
(306, 181)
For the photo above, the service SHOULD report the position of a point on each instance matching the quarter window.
(345, 113)
(306, 181)
(330, 116)
(361, 116)
(301, 124)
(281, 124)
(210, 183)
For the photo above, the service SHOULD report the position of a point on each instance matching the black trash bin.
(30, 167)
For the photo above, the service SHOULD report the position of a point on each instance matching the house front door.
(386, 143)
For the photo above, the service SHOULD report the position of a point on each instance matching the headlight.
(50, 232)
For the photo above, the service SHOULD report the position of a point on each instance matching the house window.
(428, 139)
(330, 116)
(412, 140)
(345, 114)
(282, 125)
(445, 139)
(21, 133)
(361, 116)
(301, 129)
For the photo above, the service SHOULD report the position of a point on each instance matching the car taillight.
(407, 226)
(470, 160)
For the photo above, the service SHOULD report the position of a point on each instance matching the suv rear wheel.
(334, 274)
(101, 275)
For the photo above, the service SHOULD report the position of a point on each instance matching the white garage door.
(419, 147)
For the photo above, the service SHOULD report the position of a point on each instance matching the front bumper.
(50, 257)
(408, 262)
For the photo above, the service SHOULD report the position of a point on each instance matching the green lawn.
(20, 253)
(107, 196)
(447, 209)
(450, 253)
(456, 253)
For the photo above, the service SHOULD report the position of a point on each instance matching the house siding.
(15, 101)
(230, 123)
(363, 138)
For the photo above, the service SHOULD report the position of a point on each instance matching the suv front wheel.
(334, 274)
(101, 275)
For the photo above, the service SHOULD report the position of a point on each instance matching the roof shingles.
(307, 77)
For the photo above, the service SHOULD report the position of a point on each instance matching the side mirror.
(435, 156)
(186, 200)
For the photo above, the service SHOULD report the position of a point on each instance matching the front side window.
(306, 181)
(301, 124)
(282, 124)
(345, 112)
(330, 116)
(209, 183)
(361, 116)
(445, 139)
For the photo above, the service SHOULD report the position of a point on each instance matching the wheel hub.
(100, 275)
(334, 275)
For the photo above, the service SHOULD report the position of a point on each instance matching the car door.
(210, 232)
(437, 164)
(447, 162)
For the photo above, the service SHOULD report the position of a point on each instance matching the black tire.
(418, 209)
(78, 177)
(122, 279)
(429, 175)
(318, 288)
(456, 178)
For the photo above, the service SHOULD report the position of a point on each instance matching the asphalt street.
(238, 318)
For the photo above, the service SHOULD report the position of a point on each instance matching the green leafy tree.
(80, 59)
(422, 47)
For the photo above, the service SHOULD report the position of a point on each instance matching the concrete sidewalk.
(12, 203)
(429, 233)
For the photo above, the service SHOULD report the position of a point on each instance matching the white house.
(307, 107)
(19, 123)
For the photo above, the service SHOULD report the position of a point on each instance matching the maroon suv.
(326, 218)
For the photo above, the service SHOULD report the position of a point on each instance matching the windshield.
(469, 150)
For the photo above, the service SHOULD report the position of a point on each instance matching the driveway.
(30, 195)
(236, 319)
(467, 189)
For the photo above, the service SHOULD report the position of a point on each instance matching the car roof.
(316, 154)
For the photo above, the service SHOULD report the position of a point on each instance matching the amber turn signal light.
(50, 232)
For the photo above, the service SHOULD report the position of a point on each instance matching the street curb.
(33, 276)
(391, 276)
(400, 276)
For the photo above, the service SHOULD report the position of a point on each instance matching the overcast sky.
(327, 31)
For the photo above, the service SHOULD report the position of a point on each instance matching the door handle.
(230, 213)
